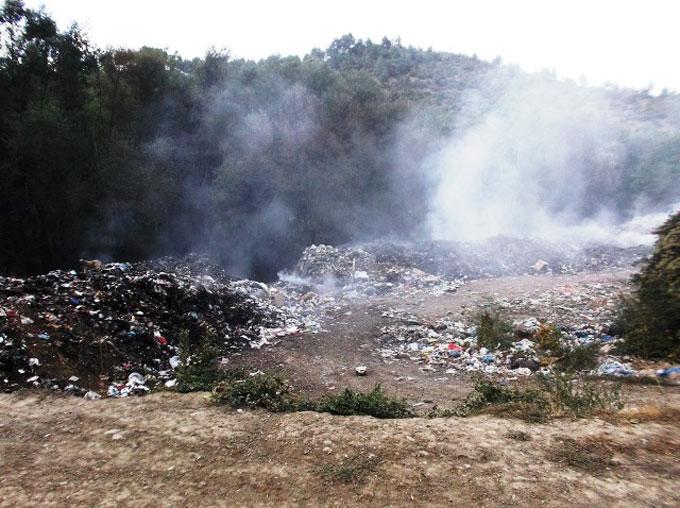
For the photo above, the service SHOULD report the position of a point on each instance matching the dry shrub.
(592, 454)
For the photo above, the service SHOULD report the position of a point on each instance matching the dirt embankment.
(178, 450)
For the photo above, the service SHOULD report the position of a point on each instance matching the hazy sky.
(631, 43)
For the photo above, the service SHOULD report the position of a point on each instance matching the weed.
(493, 330)
(580, 398)
(579, 359)
(518, 435)
(374, 403)
(491, 397)
(352, 469)
(198, 369)
(591, 454)
(549, 397)
(259, 389)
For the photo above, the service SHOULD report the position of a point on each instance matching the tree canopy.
(128, 154)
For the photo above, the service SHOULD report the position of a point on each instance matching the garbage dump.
(388, 262)
(116, 329)
(576, 316)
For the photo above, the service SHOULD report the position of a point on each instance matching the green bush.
(271, 392)
(198, 354)
(649, 320)
(549, 396)
(579, 359)
(260, 389)
(580, 398)
(493, 330)
(490, 396)
(374, 403)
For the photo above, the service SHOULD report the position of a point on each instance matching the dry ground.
(180, 450)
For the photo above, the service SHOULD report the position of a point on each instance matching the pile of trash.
(581, 314)
(452, 347)
(119, 326)
(356, 272)
(388, 262)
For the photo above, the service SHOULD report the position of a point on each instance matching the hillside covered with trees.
(128, 154)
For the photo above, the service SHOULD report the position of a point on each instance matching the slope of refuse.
(120, 326)
(499, 256)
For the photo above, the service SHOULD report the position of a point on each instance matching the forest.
(128, 154)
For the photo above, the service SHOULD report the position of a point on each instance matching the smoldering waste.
(119, 327)
(117, 330)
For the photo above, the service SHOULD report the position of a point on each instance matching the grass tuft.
(353, 469)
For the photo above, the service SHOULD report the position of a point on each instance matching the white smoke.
(540, 161)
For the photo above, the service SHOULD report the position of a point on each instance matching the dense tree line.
(128, 154)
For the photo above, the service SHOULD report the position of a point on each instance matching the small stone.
(361, 370)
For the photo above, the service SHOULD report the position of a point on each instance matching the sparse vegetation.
(198, 369)
(578, 359)
(353, 469)
(492, 397)
(493, 329)
(553, 396)
(269, 391)
(580, 398)
(651, 413)
(591, 454)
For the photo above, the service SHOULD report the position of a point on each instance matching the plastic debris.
(614, 368)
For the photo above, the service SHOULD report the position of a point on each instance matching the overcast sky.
(629, 42)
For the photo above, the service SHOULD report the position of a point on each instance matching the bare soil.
(170, 449)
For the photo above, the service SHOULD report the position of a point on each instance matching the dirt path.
(178, 450)
(326, 361)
